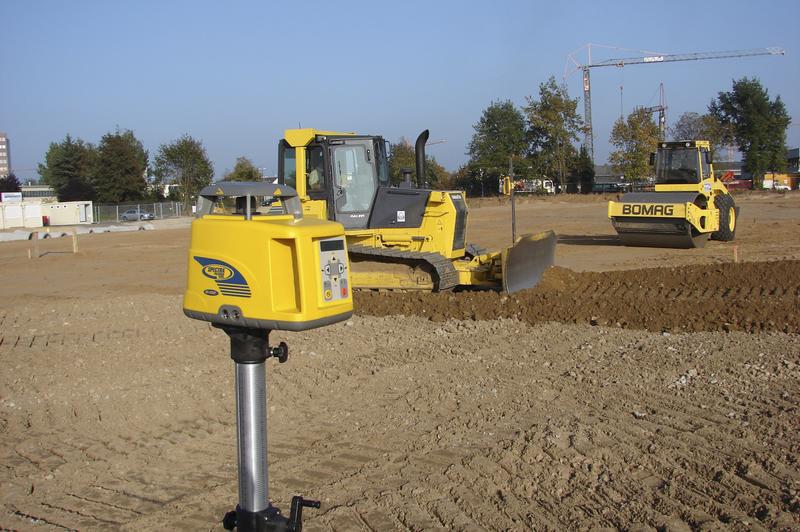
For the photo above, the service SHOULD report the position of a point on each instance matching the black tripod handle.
(296, 512)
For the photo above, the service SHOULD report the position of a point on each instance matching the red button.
(344, 292)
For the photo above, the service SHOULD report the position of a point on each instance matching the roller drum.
(659, 232)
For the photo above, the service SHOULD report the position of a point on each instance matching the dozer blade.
(525, 261)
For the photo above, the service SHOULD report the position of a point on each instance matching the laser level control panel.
(334, 268)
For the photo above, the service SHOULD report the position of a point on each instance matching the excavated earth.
(634, 389)
(756, 296)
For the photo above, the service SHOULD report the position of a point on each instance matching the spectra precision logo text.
(647, 210)
(218, 272)
(228, 280)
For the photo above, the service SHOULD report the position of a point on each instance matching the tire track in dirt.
(751, 297)
(404, 424)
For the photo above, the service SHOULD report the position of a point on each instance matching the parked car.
(131, 215)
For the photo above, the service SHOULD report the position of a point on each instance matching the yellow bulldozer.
(400, 237)
(689, 205)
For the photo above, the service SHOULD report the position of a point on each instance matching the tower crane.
(661, 109)
(649, 58)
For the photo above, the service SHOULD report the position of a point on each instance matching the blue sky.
(236, 74)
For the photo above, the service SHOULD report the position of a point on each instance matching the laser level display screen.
(331, 245)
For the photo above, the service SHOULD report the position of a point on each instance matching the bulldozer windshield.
(678, 166)
(354, 175)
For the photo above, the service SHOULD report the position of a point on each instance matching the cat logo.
(647, 209)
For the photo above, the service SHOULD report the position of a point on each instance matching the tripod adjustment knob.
(281, 352)
(296, 512)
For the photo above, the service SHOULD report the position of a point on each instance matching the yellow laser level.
(251, 272)
(265, 271)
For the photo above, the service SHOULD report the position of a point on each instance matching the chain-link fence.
(134, 212)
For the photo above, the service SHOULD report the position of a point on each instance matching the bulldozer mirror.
(652, 159)
(708, 158)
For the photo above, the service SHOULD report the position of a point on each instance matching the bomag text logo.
(637, 209)
(218, 272)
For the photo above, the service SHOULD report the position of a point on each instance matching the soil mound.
(751, 297)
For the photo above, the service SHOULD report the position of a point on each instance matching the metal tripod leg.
(249, 350)
(251, 436)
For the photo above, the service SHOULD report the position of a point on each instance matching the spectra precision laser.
(250, 273)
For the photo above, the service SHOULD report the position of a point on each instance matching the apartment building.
(5, 155)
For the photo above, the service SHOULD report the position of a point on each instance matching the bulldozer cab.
(343, 170)
(684, 162)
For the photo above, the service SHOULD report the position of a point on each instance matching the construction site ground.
(634, 388)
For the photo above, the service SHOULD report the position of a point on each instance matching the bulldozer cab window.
(315, 169)
(678, 166)
(354, 176)
(287, 171)
(382, 148)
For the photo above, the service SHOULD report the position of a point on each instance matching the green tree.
(184, 161)
(634, 139)
(499, 138)
(553, 124)
(694, 126)
(583, 171)
(756, 124)
(244, 170)
(121, 168)
(403, 155)
(68, 168)
(10, 183)
(463, 179)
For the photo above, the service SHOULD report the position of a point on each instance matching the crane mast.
(661, 109)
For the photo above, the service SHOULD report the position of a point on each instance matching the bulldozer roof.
(304, 136)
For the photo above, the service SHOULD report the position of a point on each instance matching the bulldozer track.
(445, 272)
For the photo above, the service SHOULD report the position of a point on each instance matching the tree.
(403, 155)
(121, 169)
(755, 123)
(10, 183)
(464, 179)
(583, 171)
(634, 139)
(553, 124)
(694, 126)
(499, 137)
(184, 162)
(244, 170)
(68, 169)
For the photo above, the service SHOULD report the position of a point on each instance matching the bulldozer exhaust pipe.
(419, 151)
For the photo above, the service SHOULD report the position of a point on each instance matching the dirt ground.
(634, 388)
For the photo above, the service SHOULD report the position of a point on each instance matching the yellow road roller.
(689, 205)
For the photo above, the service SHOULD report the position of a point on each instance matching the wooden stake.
(74, 240)
(35, 237)
(735, 253)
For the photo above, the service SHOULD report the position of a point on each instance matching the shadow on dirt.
(589, 240)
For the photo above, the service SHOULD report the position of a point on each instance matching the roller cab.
(689, 205)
